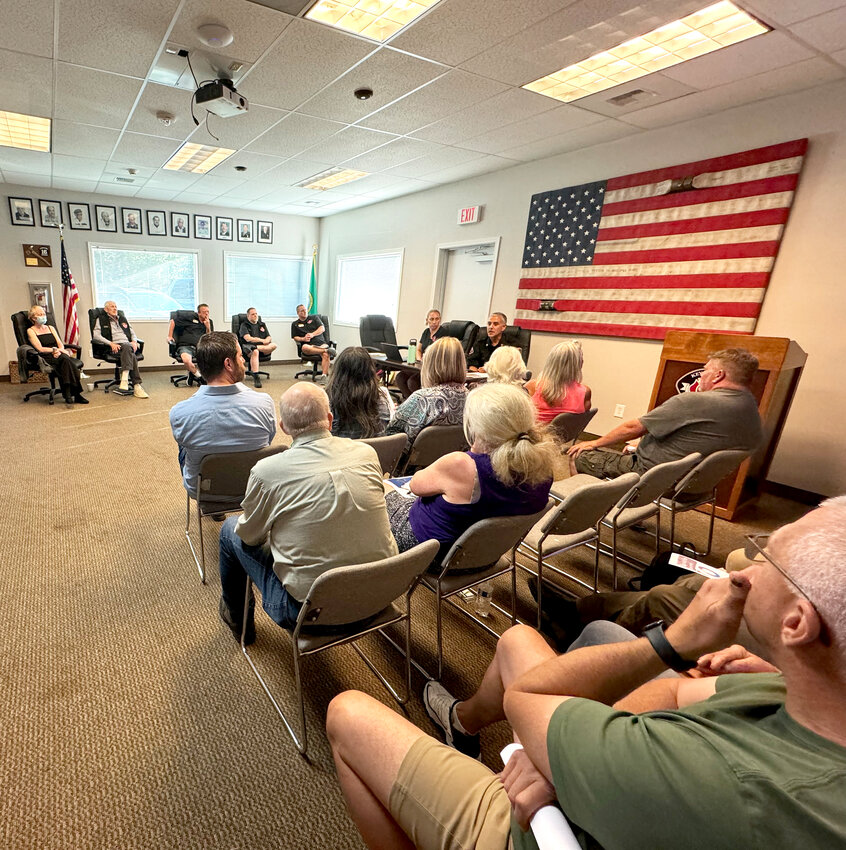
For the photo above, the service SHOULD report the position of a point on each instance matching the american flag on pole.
(70, 297)
(687, 247)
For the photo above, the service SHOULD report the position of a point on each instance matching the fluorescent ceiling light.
(702, 32)
(376, 19)
(24, 131)
(331, 178)
(197, 158)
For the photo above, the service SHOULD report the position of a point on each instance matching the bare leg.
(324, 363)
(188, 362)
(518, 650)
(369, 742)
(268, 348)
(254, 360)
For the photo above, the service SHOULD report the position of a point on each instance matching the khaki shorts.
(447, 801)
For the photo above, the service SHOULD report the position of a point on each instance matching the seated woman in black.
(360, 406)
(47, 342)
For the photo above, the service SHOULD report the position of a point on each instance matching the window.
(274, 285)
(145, 284)
(368, 283)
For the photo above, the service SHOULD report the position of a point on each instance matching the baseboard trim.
(796, 494)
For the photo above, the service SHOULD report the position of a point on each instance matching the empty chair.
(699, 487)
(573, 523)
(567, 427)
(343, 605)
(221, 485)
(374, 330)
(432, 442)
(389, 450)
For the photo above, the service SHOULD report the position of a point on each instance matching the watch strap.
(654, 633)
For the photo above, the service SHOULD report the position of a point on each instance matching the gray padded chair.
(567, 427)
(573, 523)
(389, 449)
(344, 604)
(432, 442)
(486, 550)
(221, 485)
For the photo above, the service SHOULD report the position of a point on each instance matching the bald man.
(318, 505)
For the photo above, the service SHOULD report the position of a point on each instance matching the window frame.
(146, 249)
(358, 255)
(254, 255)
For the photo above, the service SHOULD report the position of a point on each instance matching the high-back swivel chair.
(316, 359)
(103, 352)
(246, 347)
(31, 358)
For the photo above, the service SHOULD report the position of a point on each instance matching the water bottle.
(483, 599)
(411, 356)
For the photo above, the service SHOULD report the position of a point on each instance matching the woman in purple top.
(508, 471)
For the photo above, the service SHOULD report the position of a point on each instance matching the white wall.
(806, 299)
(292, 235)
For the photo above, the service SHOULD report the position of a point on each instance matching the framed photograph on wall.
(202, 227)
(79, 216)
(20, 209)
(245, 230)
(179, 224)
(156, 223)
(224, 228)
(264, 231)
(51, 213)
(131, 219)
(106, 218)
(41, 295)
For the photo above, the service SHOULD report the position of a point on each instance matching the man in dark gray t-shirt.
(721, 414)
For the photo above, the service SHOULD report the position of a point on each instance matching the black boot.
(235, 625)
(79, 398)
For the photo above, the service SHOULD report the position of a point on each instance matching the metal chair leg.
(596, 561)
(439, 627)
(613, 554)
(514, 586)
(540, 582)
(199, 561)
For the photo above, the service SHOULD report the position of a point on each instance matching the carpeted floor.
(130, 719)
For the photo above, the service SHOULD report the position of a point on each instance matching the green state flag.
(312, 287)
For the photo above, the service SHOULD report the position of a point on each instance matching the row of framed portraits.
(134, 222)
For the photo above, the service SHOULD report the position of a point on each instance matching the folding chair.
(389, 449)
(432, 442)
(343, 605)
(567, 427)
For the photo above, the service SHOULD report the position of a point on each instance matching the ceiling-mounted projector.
(221, 98)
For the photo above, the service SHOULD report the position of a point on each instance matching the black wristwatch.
(654, 633)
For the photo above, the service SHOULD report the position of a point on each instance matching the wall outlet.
(619, 410)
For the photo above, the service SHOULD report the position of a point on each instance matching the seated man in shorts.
(255, 340)
(309, 335)
(187, 333)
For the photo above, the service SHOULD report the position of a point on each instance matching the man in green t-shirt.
(721, 414)
(634, 761)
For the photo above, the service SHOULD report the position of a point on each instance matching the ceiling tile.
(372, 183)
(177, 180)
(759, 54)
(646, 91)
(474, 167)
(348, 143)
(74, 185)
(77, 166)
(290, 172)
(387, 73)
(115, 189)
(135, 149)
(152, 194)
(239, 130)
(294, 134)
(825, 32)
(506, 108)
(190, 197)
(455, 30)
(27, 27)
(26, 162)
(83, 140)
(791, 11)
(214, 184)
(291, 7)
(438, 161)
(449, 93)
(23, 178)
(140, 173)
(585, 137)
(29, 89)
(254, 28)
(94, 97)
(394, 153)
(839, 57)
(255, 163)
(157, 98)
(306, 57)
(403, 187)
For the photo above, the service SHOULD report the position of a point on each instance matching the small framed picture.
(20, 209)
(41, 295)
(224, 228)
(51, 213)
(179, 224)
(264, 231)
(106, 218)
(245, 230)
(202, 227)
(156, 223)
(131, 219)
(79, 216)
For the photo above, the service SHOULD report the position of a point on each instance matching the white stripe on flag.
(741, 265)
(739, 296)
(705, 323)
(692, 240)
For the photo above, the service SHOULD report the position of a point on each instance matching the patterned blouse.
(440, 405)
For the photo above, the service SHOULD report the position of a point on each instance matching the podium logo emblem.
(689, 383)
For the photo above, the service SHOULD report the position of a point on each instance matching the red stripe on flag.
(735, 309)
(745, 280)
(797, 147)
(687, 255)
(749, 189)
(600, 329)
(736, 221)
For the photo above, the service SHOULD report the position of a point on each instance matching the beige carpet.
(129, 717)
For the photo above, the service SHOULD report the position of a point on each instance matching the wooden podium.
(780, 366)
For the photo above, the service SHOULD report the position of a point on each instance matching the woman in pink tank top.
(559, 388)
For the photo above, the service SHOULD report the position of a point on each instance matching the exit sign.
(469, 215)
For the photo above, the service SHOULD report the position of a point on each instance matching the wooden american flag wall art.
(687, 247)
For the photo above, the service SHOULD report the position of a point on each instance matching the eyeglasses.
(757, 540)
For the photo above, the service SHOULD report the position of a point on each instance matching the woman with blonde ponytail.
(507, 471)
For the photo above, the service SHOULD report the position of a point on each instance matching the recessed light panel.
(24, 131)
(376, 19)
(197, 158)
(702, 32)
(331, 178)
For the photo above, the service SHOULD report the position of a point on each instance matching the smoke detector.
(215, 35)
(166, 118)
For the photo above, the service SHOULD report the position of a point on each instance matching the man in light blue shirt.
(224, 415)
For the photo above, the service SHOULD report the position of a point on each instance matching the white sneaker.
(439, 704)
(139, 392)
(124, 386)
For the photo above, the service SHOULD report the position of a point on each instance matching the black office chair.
(374, 330)
(103, 353)
(464, 331)
(29, 359)
(315, 359)
(518, 337)
(246, 347)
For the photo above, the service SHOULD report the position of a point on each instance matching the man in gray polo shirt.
(721, 414)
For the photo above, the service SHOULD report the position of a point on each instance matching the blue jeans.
(237, 561)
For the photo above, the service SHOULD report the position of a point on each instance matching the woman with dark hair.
(360, 406)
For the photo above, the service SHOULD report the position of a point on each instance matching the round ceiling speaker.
(215, 35)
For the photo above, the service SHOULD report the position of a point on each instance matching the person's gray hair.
(506, 366)
(739, 364)
(304, 407)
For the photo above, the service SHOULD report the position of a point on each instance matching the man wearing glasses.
(636, 761)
